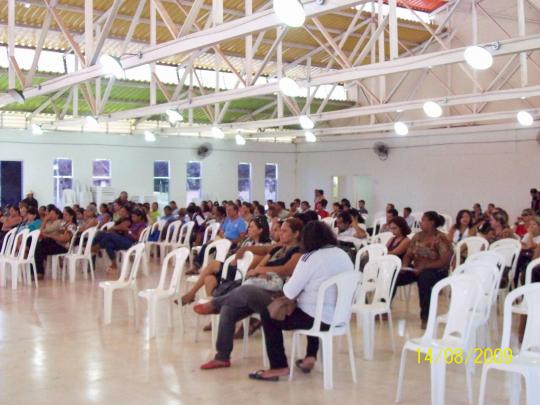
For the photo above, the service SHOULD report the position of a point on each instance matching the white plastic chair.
(143, 238)
(150, 245)
(21, 261)
(374, 250)
(106, 226)
(242, 266)
(473, 244)
(521, 308)
(170, 237)
(377, 225)
(510, 249)
(382, 238)
(330, 221)
(489, 276)
(209, 235)
(527, 362)
(346, 284)
(127, 280)
(83, 252)
(381, 272)
(55, 259)
(7, 243)
(166, 292)
(466, 294)
(11, 251)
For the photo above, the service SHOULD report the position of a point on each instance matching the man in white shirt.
(348, 227)
(408, 217)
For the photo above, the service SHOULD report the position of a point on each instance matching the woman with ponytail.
(427, 258)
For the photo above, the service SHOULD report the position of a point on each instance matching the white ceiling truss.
(383, 86)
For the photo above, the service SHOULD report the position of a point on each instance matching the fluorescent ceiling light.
(290, 12)
(289, 87)
(240, 140)
(310, 136)
(478, 58)
(432, 109)
(36, 129)
(525, 118)
(306, 122)
(91, 122)
(174, 116)
(217, 133)
(17, 95)
(112, 66)
(149, 136)
(401, 128)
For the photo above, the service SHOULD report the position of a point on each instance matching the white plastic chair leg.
(483, 380)
(515, 388)
(91, 266)
(438, 376)
(2, 274)
(14, 275)
(54, 267)
(107, 305)
(368, 332)
(351, 355)
(72, 265)
(391, 329)
(293, 354)
(532, 382)
(152, 315)
(401, 374)
(327, 363)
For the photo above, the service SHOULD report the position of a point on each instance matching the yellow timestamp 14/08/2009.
(458, 356)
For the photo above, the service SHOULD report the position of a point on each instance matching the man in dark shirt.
(535, 200)
(30, 201)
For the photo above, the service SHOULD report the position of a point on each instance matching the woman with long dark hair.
(463, 228)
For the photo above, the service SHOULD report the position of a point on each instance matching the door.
(10, 182)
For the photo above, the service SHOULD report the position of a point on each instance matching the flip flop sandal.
(257, 375)
(304, 370)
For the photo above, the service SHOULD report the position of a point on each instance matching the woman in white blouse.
(322, 260)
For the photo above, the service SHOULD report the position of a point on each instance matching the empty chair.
(170, 236)
(166, 291)
(473, 244)
(526, 362)
(382, 273)
(466, 294)
(7, 243)
(521, 308)
(488, 275)
(378, 224)
(346, 284)
(21, 261)
(11, 250)
(382, 238)
(372, 251)
(81, 252)
(127, 280)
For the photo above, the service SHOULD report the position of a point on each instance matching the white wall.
(132, 162)
(445, 173)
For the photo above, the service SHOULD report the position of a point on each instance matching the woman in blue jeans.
(122, 237)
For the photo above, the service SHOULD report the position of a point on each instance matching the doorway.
(10, 182)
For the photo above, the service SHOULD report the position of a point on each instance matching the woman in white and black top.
(322, 260)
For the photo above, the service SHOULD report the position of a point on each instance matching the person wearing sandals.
(321, 261)
(252, 297)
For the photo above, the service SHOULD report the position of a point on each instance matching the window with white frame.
(63, 178)
(244, 181)
(193, 182)
(101, 173)
(270, 181)
(161, 180)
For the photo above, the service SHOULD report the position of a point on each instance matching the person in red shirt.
(320, 208)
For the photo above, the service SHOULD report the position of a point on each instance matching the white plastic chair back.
(345, 284)
(488, 275)
(184, 236)
(107, 226)
(381, 272)
(374, 250)
(18, 245)
(172, 231)
(383, 238)
(417, 215)
(221, 248)
(143, 237)
(466, 294)
(378, 224)
(474, 244)
(242, 266)
(330, 221)
(530, 347)
(33, 237)
(510, 249)
(85, 242)
(212, 229)
(129, 270)
(530, 267)
(179, 256)
(7, 243)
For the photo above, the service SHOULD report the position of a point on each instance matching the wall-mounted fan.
(204, 150)
(382, 150)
